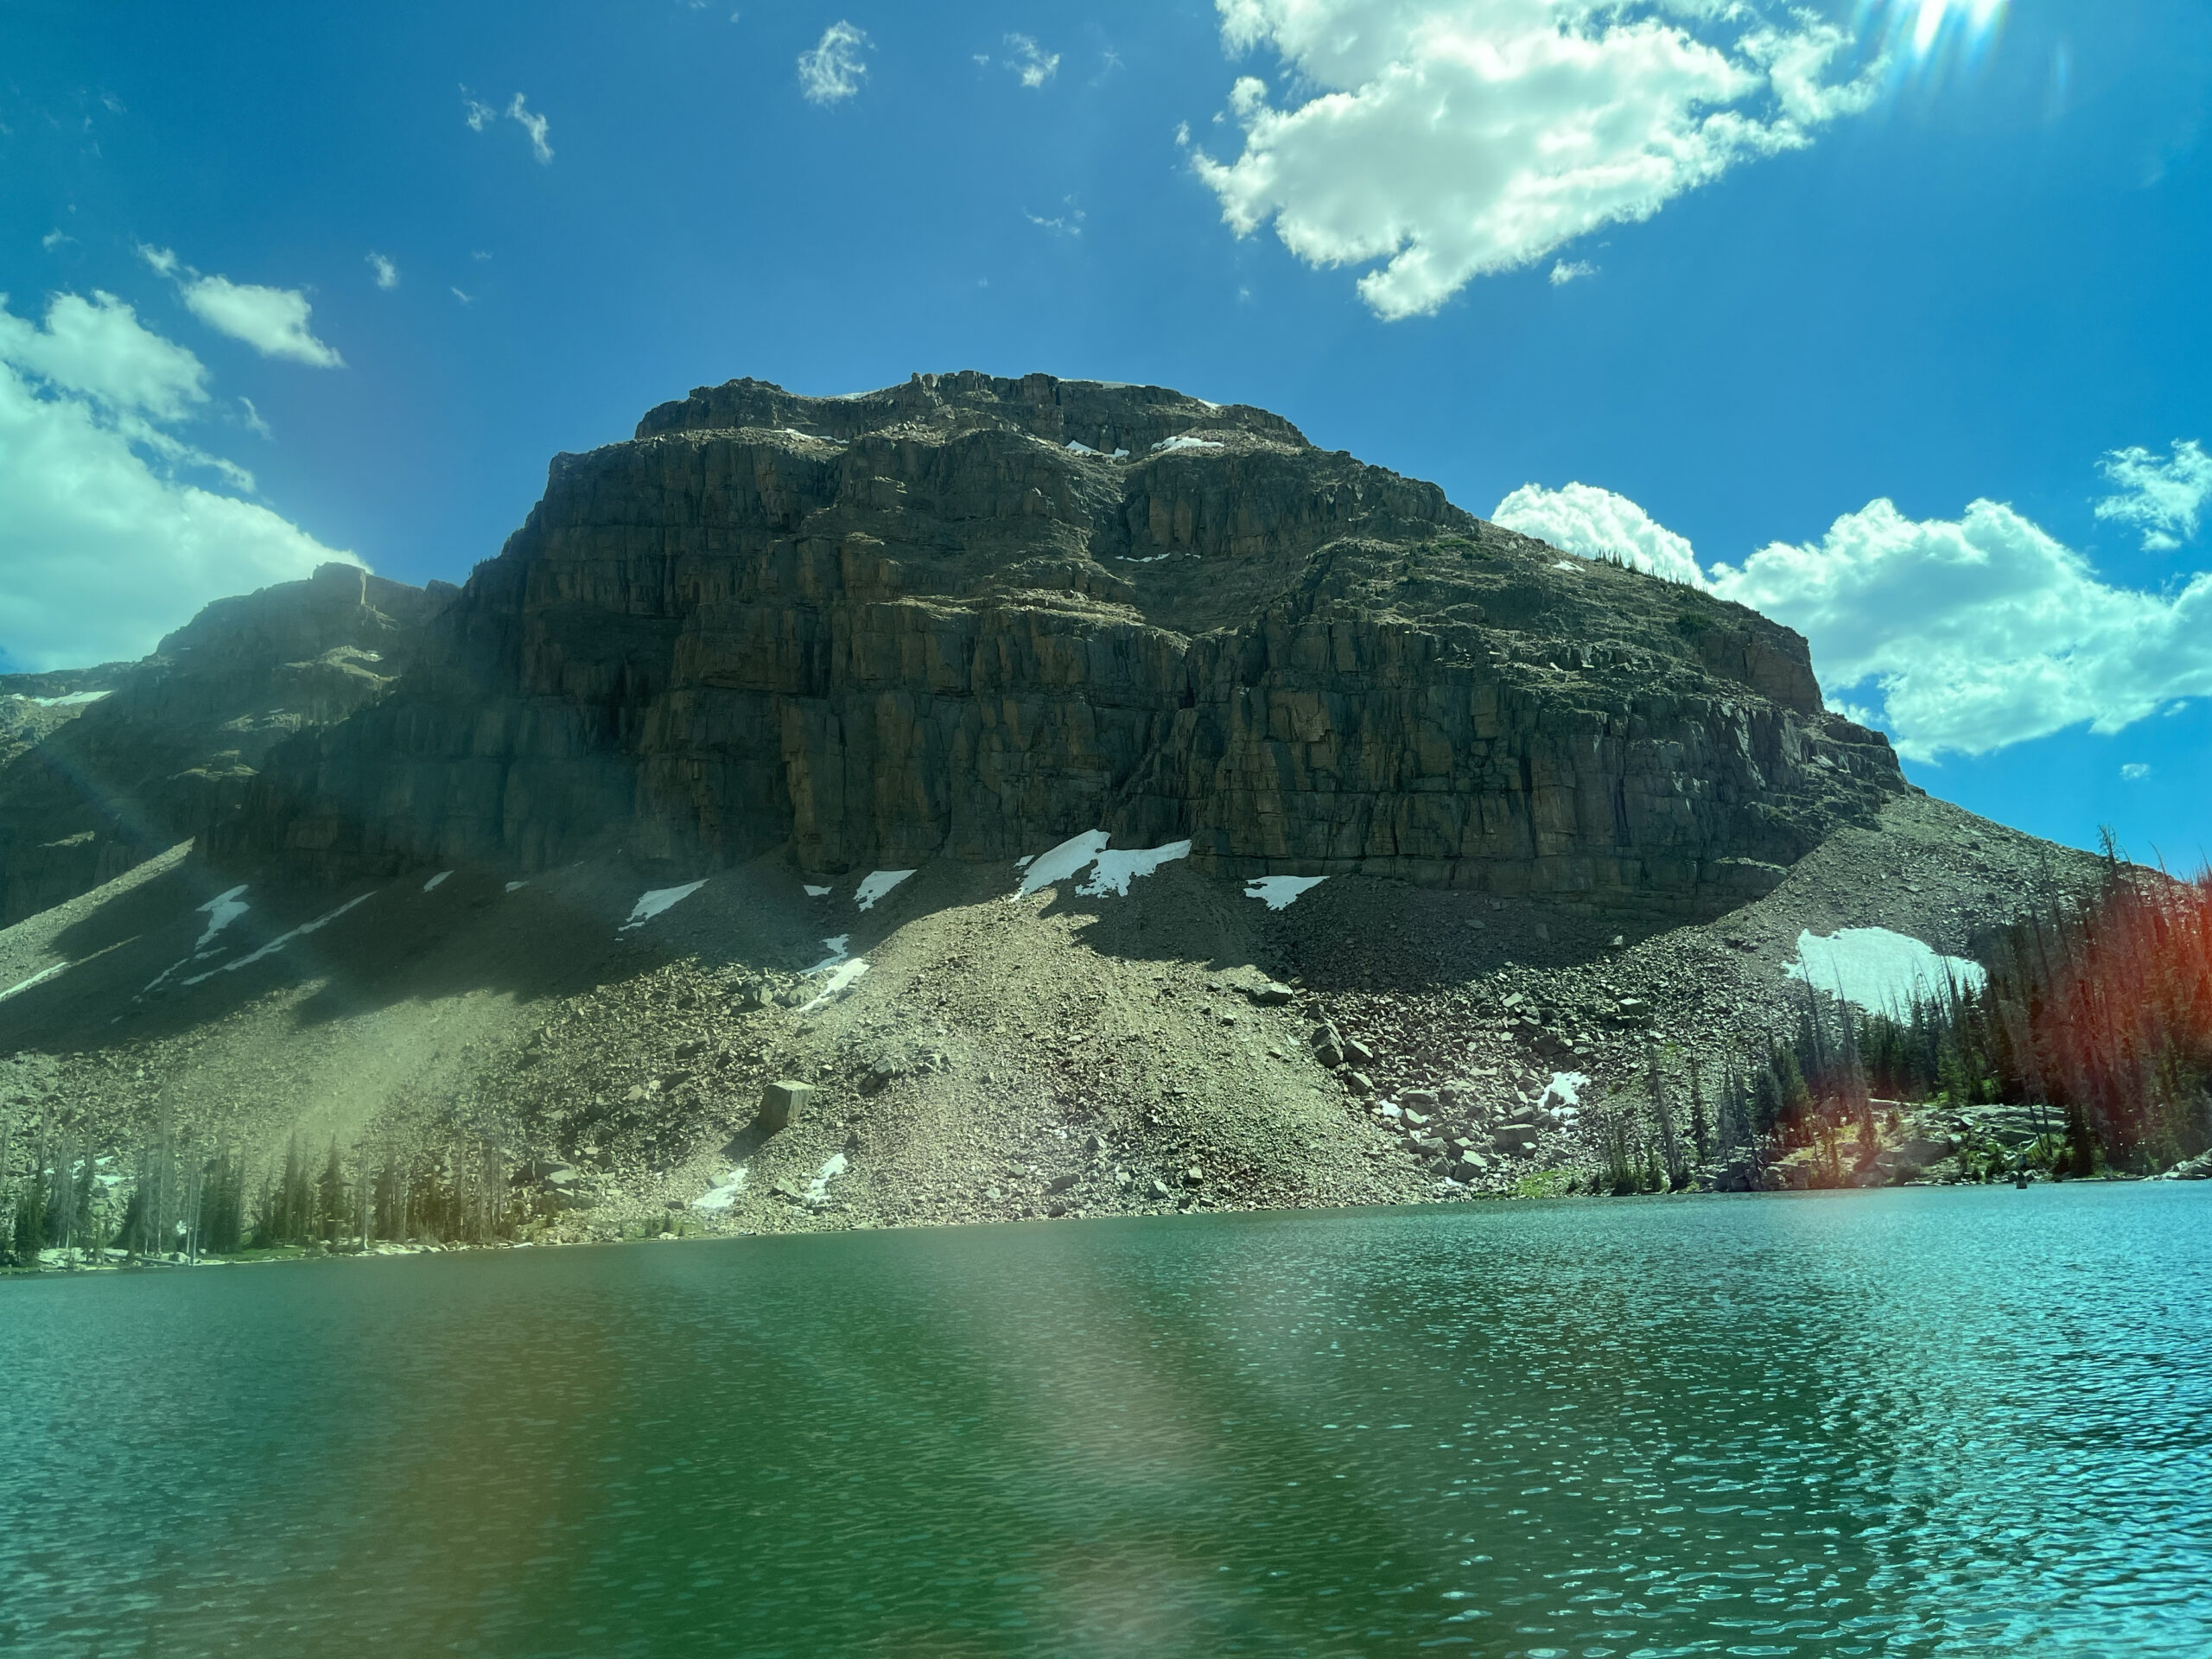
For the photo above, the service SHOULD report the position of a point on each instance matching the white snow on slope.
(838, 982)
(817, 893)
(1114, 871)
(71, 700)
(1281, 892)
(1879, 969)
(724, 1193)
(221, 910)
(25, 984)
(1071, 857)
(817, 1190)
(878, 883)
(283, 939)
(1111, 871)
(517, 886)
(839, 948)
(1565, 1089)
(433, 884)
(1184, 440)
(658, 899)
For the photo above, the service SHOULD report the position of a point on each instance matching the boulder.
(780, 1102)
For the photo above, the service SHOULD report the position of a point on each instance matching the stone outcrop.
(117, 762)
(969, 617)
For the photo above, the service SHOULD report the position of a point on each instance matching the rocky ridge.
(102, 768)
(968, 617)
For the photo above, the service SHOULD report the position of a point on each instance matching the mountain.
(1041, 704)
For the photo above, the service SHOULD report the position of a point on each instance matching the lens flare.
(1924, 24)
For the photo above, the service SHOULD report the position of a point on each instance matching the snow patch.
(71, 700)
(1879, 969)
(437, 882)
(1110, 872)
(1281, 892)
(817, 1190)
(1114, 871)
(657, 901)
(1183, 440)
(283, 939)
(817, 893)
(221, 910)
(724, 1193)
(1564, 564)
(839, 948)
(1080, 448)
(878, 883)
(1566, 1089)
(1071, 857)
(25, 984)
(517, 886)
(840, 981)
(1155, 559)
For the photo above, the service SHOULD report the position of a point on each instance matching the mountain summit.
(968, 617)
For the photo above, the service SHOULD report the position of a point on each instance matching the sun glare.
(1924, 23)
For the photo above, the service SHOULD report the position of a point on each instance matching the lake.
(1972, 1421)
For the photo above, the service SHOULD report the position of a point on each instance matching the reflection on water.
(1971, 1421)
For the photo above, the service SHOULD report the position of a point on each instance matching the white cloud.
(2165, 499)
(479, 114)
(102, 550)
(99, 349)
(1453, 138)
(1067, 222)
(1572, 271)
(273, 321)
(1958, 635)
(385, 272)
(1031, 65)
(1980, 631)
(833, 70)
(466, 299)
(2135, 772)
(1594, 524)
(536, 125)
(54, 237)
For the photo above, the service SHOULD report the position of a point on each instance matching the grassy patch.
(1544, 1184)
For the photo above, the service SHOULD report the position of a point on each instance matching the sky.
(1892, 320)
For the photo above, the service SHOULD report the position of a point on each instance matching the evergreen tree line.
(174, 1199)
(2096, 1016)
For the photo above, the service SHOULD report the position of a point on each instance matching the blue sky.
(1928, 254)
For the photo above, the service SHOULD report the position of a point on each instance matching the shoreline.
(300, 1254)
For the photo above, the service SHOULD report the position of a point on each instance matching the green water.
(1967, 1421)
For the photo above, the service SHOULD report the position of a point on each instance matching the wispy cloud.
(1031, 65)
(2165, 499)
(536, 125)
(1067, 222)
(1571, 271)
(833, 70)
(479, 114)
(54, 237)
(385, 272)
(275, 321)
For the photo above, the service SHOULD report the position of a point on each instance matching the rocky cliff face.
(970, 617)
(101, 768)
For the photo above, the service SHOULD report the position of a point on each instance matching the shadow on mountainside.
(142, 968)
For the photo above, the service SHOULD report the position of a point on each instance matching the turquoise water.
(1962, 1422)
